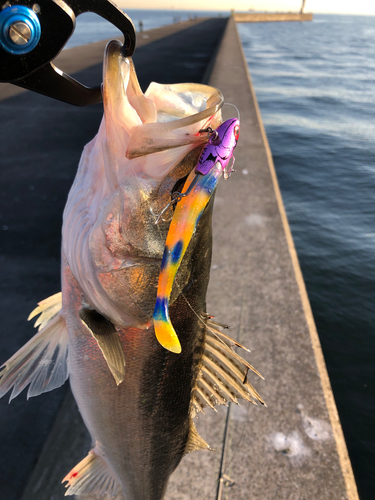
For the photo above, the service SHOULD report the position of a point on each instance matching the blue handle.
(12, 15)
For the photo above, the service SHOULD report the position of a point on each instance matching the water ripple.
(315, 86)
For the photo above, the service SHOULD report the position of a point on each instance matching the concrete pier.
(294, 449)
(269, 17)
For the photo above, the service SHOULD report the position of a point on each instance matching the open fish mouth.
(146, 143)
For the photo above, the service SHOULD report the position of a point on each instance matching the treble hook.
(176, 197)
(229, 169)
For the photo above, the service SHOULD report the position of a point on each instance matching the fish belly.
(140, 427)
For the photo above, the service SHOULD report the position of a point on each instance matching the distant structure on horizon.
(253, 16)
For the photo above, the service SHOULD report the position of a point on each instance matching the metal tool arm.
(33, 34)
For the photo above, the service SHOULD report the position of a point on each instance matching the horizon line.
(250, 11)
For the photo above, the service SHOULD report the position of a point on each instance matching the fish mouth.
(146, 143)
(163, 121)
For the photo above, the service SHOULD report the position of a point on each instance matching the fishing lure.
(190, 203)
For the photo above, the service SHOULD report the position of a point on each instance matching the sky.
(326, 6)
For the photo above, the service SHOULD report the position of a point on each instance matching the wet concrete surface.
(41, 143)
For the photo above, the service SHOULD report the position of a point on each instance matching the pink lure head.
(220, 147)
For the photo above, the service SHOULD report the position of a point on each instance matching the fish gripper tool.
(33, 33)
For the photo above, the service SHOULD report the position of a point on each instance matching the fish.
(138, 399)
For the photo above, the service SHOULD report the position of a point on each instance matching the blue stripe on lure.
(196, 193)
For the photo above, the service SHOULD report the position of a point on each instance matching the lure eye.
(236, 132)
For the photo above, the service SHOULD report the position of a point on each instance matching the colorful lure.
(197, 191)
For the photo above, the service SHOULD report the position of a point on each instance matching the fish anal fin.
(42, 362)
(105, 333)
(91, 476)
(195, 441)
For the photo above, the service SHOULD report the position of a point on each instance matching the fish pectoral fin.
(91, 476)
(195, 441)
(223, 374)
(105, 333)
(42, 362)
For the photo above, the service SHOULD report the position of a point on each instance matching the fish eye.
(236, 132)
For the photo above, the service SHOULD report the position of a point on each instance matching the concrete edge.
(319, 358)
(271, 17)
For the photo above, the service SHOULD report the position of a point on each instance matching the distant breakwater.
(270, 17)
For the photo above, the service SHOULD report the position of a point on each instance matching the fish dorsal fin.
(195, 441)
(42, 362)
(91, 477)
(223, 373)
(48, 309)
(105, 333)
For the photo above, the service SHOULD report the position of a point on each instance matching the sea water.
(316, 90)
(92, 28)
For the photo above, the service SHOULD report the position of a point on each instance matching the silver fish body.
(111, 263)
(141, 427)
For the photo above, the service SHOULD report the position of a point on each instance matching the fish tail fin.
(91, 476)
(42, 362)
